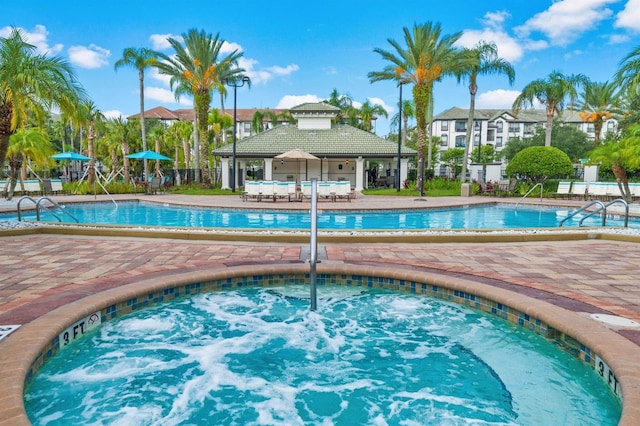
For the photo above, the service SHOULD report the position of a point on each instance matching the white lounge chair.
(343, 190)
(267, 190)
(306, 189)
(579, 190)
(251, 190)
(563, 190)
(324, 191)
(281, 190)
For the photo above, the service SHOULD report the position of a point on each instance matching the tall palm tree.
(551, 92)
(30, 85)
(140, 59)
(598, 102)
(367, 112)
(90, 117)
(408, 112)
(157, 137)
(196, 69)
(628, 75)
(480, 60)
(123, 132)
(427, 57)
(344, 102)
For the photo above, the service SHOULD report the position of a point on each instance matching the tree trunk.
(622, 180)
(15, 164)
(547, 131)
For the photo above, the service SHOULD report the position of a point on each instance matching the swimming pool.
(475, 217)
(259, 356)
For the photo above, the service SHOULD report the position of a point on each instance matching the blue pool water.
(260, 356)
(477, 217)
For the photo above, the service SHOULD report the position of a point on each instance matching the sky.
(296, 52)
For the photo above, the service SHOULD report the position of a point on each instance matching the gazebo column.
(404, 167)
(241, 173)
(359, 184)
(268, 169)
(224, 164)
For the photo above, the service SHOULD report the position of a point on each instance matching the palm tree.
(480, 60)
(620, 155)
(598, 102)
(628, 74)
(408, 112)
(140, 59)
(367, 112)
(428, 57)
(195, 69)
(26, 145)
(552, 93)
(90, 116)
(30, 84)
(123, 132)
(344, 102)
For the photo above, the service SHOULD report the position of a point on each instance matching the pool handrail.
(38, 206)
(529, 192)
(583, 208)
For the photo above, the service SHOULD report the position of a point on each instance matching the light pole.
(235, 83)
(400, 83)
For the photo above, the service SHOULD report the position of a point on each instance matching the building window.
(460, 141)
(477, 125)
(499, 126)
(498, 141)
(514, 127)
(247, 127)
(591, 128)
(444, 126)
(461, 126)
(528, 129)
(491, 135)
(611, 126)
(444, 139)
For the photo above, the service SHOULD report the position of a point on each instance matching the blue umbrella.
(70, 156)
(148, 155)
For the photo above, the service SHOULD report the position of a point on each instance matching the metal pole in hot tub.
(314, 243)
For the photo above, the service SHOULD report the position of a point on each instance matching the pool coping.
(23, 346)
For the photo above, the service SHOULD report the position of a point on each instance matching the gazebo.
(344, 152)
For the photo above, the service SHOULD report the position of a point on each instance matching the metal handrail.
(626, 209)
(583, 208)
(52, 212)
(25, 197)
(529, 192)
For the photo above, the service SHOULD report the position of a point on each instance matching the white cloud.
(618, 38)
(37, 37)
(227, 48)
(289, 101)
(496, 99)
(155, 74)
(160, 41)
(331, 70)
(565, 20)
(508, 48)
(89, 57)
(113, 114)
(628, 17)
(165, 96)
(263, 75)
(377, 101)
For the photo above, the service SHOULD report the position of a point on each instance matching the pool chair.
(324, 191)
(579, 190)
(281, 190)
(251, 190)
(267, 190)
(155, 185)
(343, 190)
(306, 189)
(563, 190)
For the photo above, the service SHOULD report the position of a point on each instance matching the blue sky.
(296, 53)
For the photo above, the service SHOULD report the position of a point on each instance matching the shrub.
(539, 163)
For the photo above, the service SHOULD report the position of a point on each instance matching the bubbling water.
(260, 356)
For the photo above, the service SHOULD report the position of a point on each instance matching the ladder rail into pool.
(604, 207)
(601, 208)
(39, 206)
(529, 192)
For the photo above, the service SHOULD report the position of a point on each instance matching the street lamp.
(400, 83)
(235, 83)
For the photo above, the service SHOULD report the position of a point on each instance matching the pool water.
(477, 217)
(260, 356)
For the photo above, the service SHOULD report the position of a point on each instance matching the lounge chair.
(563, 190)
(343, 190)
(579, 190)
(281, 190)
(251, 190)
(306, 189)
(267, 190)
(324, 191)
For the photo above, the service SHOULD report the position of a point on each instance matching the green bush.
(538, 164)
